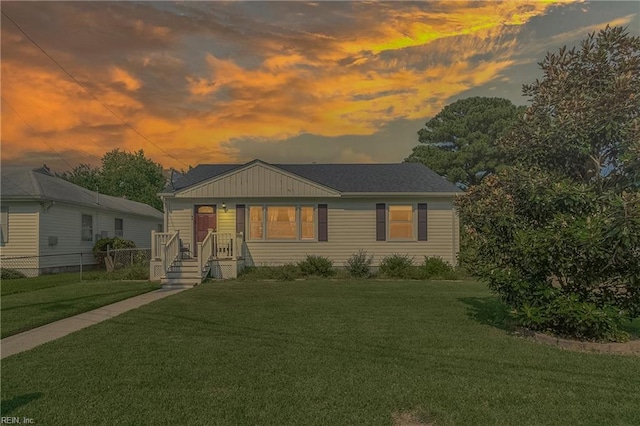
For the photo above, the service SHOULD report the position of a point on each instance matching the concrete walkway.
(30, 339)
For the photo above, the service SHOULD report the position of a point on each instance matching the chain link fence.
(111, 260)
(114, 260)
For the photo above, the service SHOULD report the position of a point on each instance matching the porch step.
(185, 273)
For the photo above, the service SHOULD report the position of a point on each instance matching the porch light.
(224, 206)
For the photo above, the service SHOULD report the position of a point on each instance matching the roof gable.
(254, 179)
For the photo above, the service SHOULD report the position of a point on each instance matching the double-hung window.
(307, 223)
(282, 222)
(401, 222)
(119, 228)
(256, 223)
(87, 227)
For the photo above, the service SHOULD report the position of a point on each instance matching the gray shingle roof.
(401, 177)
(40, 185)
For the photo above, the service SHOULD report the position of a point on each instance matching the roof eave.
(401, 194)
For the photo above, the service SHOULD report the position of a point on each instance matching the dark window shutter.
(323, 231)
(240, 218)
(381, 230)
(422, 222)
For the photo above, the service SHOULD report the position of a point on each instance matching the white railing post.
(200, 256)
(234, 248)
(153, 244)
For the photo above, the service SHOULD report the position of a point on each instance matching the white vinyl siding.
(22, 221)
(180, 217)
(351, 227)
(61, 222)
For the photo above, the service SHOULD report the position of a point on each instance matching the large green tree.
(583, 120)
(557, 236)
(122, 174)
(460, 142)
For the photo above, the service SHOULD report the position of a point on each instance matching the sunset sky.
(288, 82)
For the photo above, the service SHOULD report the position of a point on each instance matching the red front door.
(205, 219)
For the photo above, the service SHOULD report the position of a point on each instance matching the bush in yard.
(10, 274)
(398, 266)
(100, 247)
(359, 264)
(558, 235)
(314, 265)
(136, 272)
(287, 272)
(564, 257)
(435, 267)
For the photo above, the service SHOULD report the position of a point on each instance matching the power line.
(88, 155)
(88, 91)
(36, 131)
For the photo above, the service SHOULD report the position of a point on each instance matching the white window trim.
(298, 212)
(414, 222)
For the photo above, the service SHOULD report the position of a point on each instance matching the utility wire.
(76, 148)
(36, 131)
(87, 90)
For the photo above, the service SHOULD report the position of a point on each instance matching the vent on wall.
(53, 241)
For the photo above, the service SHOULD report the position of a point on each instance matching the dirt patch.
(626, 348)
(409, 419)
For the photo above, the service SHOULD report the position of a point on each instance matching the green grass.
(317, 353)
(31, 302)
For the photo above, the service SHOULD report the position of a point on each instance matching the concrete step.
(190, 269)
(180, 282)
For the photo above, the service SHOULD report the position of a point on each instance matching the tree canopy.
(460, 142)
(122, 174)
(583, 120)
(557, 235)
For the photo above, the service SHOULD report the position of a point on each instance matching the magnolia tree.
(558, 235)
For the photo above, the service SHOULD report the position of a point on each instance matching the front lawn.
(31, 302)
(316, 353)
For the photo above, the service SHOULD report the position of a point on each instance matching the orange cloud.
(401, 62)
(118, 75)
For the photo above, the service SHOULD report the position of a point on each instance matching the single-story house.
(227, 216)
(47, 221)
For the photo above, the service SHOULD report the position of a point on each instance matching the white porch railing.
(205, 253)
(166, 249)
(221, 245)
(218, 245)
(157, 240)
(170, 251)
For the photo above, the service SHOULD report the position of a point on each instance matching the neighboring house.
(270, 214)
(48, 221)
